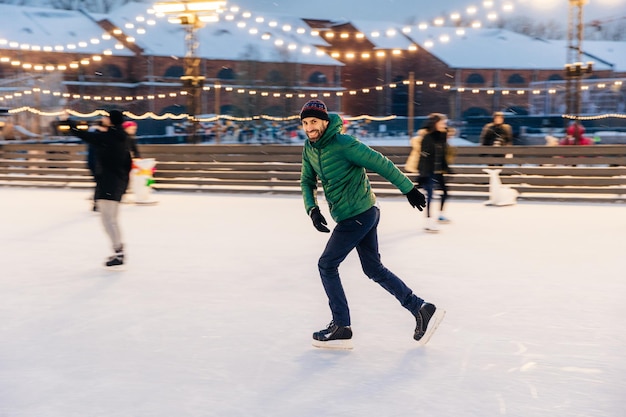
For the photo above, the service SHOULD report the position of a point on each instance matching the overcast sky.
(410, 11)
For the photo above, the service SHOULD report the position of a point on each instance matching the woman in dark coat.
(433, 165)
(113, 165)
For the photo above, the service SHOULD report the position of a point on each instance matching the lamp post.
(575, 72)
(410, 104)
(575, 69)
(192, 14)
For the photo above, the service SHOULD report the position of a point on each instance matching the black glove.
(318, 220)
(416, 199)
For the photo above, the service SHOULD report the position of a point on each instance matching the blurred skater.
(113, 164)
(412, 161)
(497, 133)
(340, 162)
(130, 127)
(575, 135)
(432, 167)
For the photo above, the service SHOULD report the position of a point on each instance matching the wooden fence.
(593, 173)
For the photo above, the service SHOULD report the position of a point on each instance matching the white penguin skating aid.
(499, 195)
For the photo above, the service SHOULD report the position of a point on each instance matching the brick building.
(117, 62)
(459, 72)
(133, 60)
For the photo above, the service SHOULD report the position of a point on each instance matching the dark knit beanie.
(116, 117)
(314, 108)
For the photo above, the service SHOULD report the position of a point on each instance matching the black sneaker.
(427, 320)
(116, 261)
(333, 337)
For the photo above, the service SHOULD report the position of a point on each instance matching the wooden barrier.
(595, 173)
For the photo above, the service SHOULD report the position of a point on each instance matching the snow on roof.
(603, 53)
(480, 48)
(391, 38)
(493, 48)
(226, 39)
(35, 28)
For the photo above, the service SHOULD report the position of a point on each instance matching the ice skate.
(427, 320)
(116, 262)
(333, 337)
(431, 226)
(443, 219)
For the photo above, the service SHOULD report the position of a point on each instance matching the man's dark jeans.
(359, 232)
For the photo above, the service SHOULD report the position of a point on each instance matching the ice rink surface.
(214, 314)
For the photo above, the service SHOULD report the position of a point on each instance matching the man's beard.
(319, 132)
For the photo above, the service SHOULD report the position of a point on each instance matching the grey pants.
(108, 211)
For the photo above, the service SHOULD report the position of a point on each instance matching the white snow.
(214, 314)
(36, 28)
(496, 48)
(226, 39)
(411, 11)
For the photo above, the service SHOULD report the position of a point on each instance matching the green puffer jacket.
(340, 161)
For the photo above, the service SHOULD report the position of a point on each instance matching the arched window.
(111, 71)
(555, 77)
(516, 79)
(474, 112)
(475, 78)
(175, 71)
(226, 74)
(231, 110)
(317, 78)
(400, 96)
(276, 111)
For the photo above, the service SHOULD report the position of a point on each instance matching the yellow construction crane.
(597, 23)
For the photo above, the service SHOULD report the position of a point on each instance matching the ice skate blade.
(432, 326)
(339, 344)
(116, 268)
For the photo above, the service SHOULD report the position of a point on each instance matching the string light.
(92, 98)
(455, 20)
(595, 117)
(57, 48)
(336, 92)
(280, 33)
(171, 116)
(251, 24)
(287, 28)
(61, 48)
(49, 67)
(272, 23)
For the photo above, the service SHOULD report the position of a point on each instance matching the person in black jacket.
(497, 133)
(113, 167)
(433, 165)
